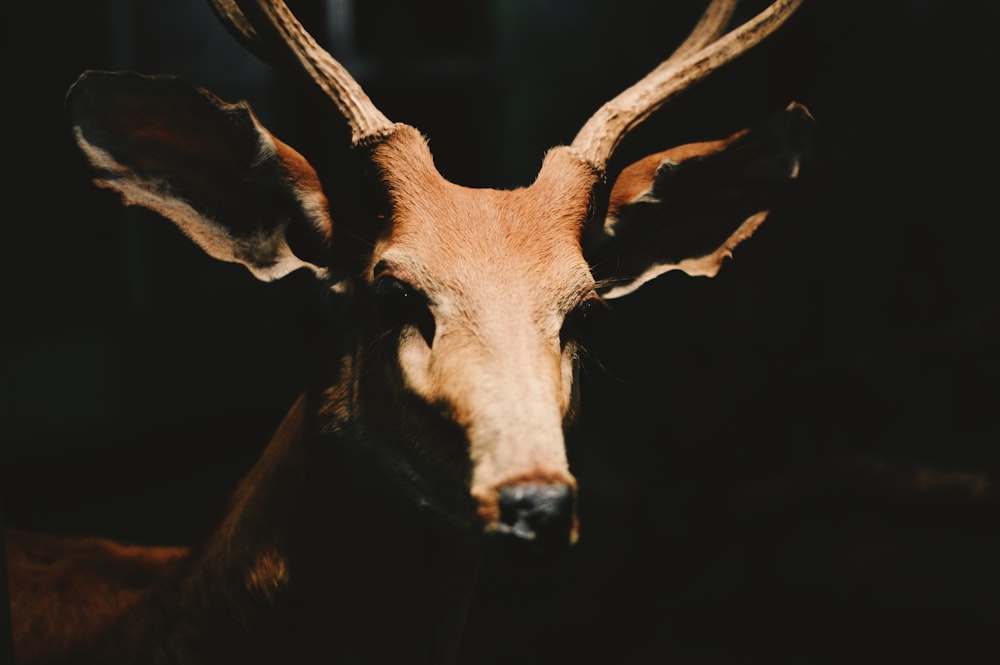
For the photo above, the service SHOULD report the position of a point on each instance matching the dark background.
(793, 462)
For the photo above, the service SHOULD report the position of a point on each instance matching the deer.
(445, 379)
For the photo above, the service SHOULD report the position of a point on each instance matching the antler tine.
(266, 25)
(702, 53)
(236, 22)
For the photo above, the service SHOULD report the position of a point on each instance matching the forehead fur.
(534, 229)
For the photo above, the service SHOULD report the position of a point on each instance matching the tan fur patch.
(268, 573)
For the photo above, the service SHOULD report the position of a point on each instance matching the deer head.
(458, 343)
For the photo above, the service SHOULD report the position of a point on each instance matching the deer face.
(475, 293)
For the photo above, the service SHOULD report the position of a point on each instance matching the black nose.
(538, 512)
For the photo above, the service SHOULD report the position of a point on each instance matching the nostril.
(538, 512)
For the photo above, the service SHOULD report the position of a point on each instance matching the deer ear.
(688, 207)
(210, 167)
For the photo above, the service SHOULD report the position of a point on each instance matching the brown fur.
(63, 590)
(637, 178)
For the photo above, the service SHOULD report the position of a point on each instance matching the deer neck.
(313, 561)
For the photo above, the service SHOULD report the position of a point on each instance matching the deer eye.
(583, 320)
(398, 304)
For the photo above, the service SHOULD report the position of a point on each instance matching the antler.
(268, 28)
(702, 53)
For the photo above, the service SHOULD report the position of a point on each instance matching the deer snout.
(542, 513)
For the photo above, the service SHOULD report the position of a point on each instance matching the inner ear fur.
(210, 167)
